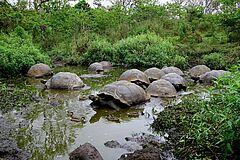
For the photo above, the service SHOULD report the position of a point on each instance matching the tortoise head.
(43, 81)
(93, 98)
(99, 71)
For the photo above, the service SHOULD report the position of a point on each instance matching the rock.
(145, 139)
(130, 147)
(85, 152)
(176, 70)
(65, 80)
(8, 146)
(59, 63)
(208, 77)
(197, 71)
(39, 70)
(151, 153)
(54, 103)
(10, 151)
(112, 144)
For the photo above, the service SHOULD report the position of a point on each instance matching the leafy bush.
(233, 56)
(230, 20)
(214, 61)
(218, 123)
(144, 50)
(18, 53)
(98, 50)
(180, 61)
(193, 38)
(209, 128)
(62, 51)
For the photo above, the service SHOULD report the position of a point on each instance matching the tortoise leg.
(113, 105)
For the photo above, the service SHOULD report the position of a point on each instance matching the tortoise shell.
(172, 69)
(197, 71)
(161, 88)
(65, 80)
(135, 76)
(177, 81)
(210, 76)
(96, 67)
(154, 73)
(126, 92)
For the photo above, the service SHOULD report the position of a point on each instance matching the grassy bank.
(206, 128)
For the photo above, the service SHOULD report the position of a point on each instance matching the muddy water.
(46, 130)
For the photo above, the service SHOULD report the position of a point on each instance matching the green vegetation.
(141, 50)
(140, 33)
(18, 53)
(145, 50)
(209, 127)
(214, 60)
(15, 96)
(144, 34)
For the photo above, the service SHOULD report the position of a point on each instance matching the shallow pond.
(46, 130)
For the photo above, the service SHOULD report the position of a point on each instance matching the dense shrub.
(99, 50)
(233, 56)
(180, 61)
(230, 19)
(144, 50)
(62, 51)
(214, 61)
(18, 53)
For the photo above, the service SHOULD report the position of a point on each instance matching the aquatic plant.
(13, 96)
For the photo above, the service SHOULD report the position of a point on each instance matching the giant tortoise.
(172, 69)
(39, 70)
(154, 73)
(96, 67)
(208, 77)
(119, 94)
(65, 80)
(161, 88)
(197, 71)
(135, 76)
(106, 64)
(177, 81)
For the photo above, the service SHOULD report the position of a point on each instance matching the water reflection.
(47, 131)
